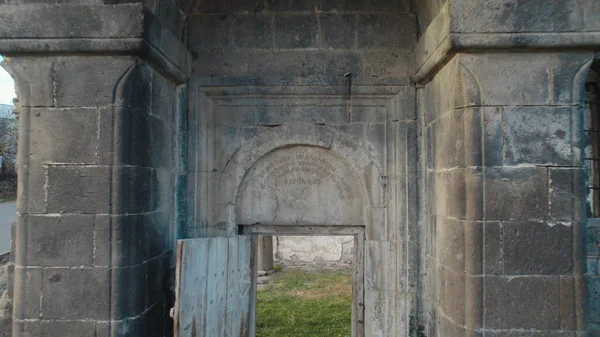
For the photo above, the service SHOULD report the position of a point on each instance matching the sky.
(7, 87)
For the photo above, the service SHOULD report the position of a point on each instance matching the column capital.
(72, 29)
(469, 26)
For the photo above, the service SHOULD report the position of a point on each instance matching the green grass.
(299, 303)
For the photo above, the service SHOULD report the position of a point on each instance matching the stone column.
(504, 164)
(265, 253)
(97, 174)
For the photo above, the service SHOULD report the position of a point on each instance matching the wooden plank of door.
(245, 284)
(190, 306)
(216, 288)
(233, 321)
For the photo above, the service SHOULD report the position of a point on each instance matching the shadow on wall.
(592, 167)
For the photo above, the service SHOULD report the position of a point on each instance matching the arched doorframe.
(362, 166)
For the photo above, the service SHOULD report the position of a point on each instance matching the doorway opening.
(315, 286)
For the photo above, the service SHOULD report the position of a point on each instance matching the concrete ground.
(8, 215)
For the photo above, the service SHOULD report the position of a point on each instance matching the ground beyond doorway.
(300, 302)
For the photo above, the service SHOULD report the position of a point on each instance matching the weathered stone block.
(228, 141)
(388, 6)
(380, 310)
(164, 98)
(59, 241)
(566, 69)
(343, 5)
(388, 66)
(565, 188)
(437, 96)
(524, 77)
(27, 293)
(242, 6)
(295, 31)
(380, 272)
(210, 32)
(129, 291)
(157, 282)
(218, 63)
(277, 115)
(412, 146)
(396, 149)
(31, 191)
(337, 31)
(464, 193)
(529, 333)
(78, 189)
(474, 251)
(63, 135)
(159, 233)
(281, 64)
(593, 289)
(492, 248)
(76, 293)
(493, 136)
(392, 31)
(99, 81)
(450, 137)
(170, 16)
(569, 285)
(522, 302)
(552, 253)
(590, 15)
(539, 135)
(450, 250)
(377, 229)
(56, 328)
(371, 137)
(132, 188)
(513, 193)
(25, 21)
(334, 66)
(136, 326)
(33, 79)
(120, 240)
(125, 137)
(254, 31)
(445, 327)
(206, 6)
(294, 5)
(472, 16)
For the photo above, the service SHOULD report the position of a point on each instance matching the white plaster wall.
(314, 248)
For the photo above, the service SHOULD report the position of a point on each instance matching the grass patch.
(301, 303)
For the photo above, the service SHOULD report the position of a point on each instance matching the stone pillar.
(94, 240)
(265, 253)
(504, 171)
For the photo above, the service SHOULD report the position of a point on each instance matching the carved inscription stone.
(300, 185)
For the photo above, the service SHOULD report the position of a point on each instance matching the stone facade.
(452, 132)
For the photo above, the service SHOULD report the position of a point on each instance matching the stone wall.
(314, 249)
(504, 165)
(475, 203)
(273, 81)
(302, 42)
(95, 196)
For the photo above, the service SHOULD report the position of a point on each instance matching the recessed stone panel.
(301, 185)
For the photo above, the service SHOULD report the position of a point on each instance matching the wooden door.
(214, 287)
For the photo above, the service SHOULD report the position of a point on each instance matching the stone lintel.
(128, 29)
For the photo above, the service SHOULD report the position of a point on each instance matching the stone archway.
(369, 187)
